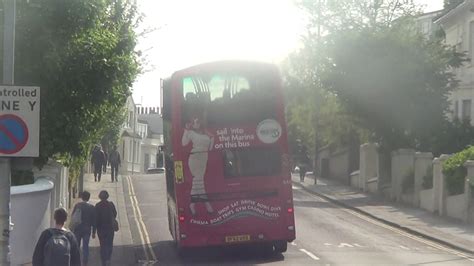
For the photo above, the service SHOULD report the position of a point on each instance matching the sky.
(182, 33)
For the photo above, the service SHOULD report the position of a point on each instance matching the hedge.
(455, 172)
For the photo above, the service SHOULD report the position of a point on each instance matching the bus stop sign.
(19, 121)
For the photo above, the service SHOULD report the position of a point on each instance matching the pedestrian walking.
(57, 246)
(98, 160)
(106, 156)
(303, 170)
(114, 162)
(106, 224)
(84, 225)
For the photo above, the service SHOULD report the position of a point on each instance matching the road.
(326, 235)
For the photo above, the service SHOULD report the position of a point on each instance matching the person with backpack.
(98, 160)
(57, 246)
(107, 225)
(114, 161)
(83, 224)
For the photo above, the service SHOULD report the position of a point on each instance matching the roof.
(154, 121)
(228, 65)
(433, 14)
(448, 13)
(131, 134)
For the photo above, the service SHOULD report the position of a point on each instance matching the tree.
(450, 4)
(400, 93)
(385, 77)
(82, 55)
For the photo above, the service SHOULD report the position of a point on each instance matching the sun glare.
(193, 32)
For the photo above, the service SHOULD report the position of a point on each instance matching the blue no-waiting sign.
(13, 134)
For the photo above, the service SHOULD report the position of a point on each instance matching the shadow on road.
(166, 253)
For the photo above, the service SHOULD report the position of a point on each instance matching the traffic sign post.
(9, 14)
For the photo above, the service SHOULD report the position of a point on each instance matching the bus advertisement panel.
(227, 160)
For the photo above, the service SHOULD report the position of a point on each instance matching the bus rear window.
(250, 162)
(229, 99)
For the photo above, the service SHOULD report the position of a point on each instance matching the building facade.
(458, 26)
(141, 139)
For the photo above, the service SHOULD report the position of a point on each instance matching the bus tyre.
(280, 246)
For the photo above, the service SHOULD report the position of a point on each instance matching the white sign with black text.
(19, 121)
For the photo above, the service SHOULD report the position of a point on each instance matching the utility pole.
(9, 11)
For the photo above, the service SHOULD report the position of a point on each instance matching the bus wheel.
(280, 246)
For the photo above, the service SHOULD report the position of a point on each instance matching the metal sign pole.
(5, 164)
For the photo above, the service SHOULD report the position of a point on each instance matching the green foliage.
(400, 93)
(315, 116)
(82, 55)
(365, 67)
(408, 182)
(22, 177)
(455, 172)
(453, 137)
(428, 178)
(450, 4)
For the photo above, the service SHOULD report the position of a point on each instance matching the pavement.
(446, 231)
(123, 253)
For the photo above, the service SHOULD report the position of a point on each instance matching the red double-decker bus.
(226, 156)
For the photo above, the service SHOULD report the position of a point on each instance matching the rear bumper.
(195, 241)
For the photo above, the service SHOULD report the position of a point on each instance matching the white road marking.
(401, 232)
(144, 236)
(311, 255)
(327, 244)
(403, 247)
(293, 243)
(345, 245)
(357, 245)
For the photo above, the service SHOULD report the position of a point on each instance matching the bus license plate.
(233, 239)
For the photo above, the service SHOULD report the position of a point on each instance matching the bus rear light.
(291, 228)
(183, 236)
(261, 236)
(181, 218)
(290, 210)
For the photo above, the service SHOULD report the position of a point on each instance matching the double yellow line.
(144, 237)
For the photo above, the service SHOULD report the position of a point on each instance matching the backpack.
(57, 250)
(76, 218)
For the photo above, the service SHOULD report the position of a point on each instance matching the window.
(226, 98)
(248, 162)
(123, 148)
(130, 119)
(130, 150)
(471, 41)
(466, 109)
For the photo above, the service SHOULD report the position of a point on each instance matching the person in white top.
(202, 144)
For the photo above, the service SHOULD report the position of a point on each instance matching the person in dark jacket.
(87, 226)
(114, 161)
(98, 160)
(39, 256)
(105, 214)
